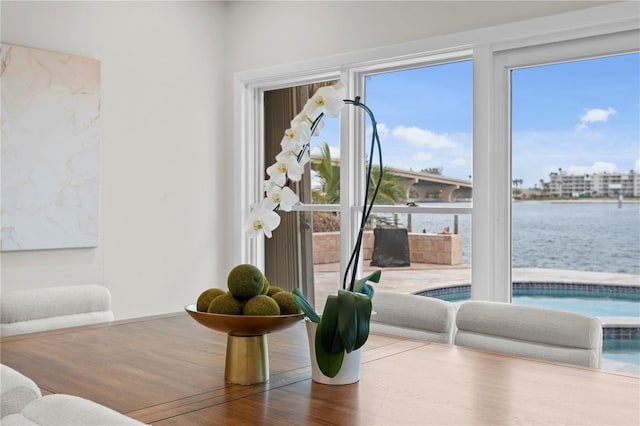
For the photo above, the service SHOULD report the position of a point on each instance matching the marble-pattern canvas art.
(50, 139)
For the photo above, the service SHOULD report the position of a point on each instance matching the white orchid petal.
(262, 220)
(295, 172)
(287, 196)
(283, 197)
(327, 100)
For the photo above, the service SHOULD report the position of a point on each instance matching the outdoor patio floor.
(421, 276)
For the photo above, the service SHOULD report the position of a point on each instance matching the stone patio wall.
(441, 249)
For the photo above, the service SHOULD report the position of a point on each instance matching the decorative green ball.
(265, 289)
(245, 281)
(273, 289)
(206, 297)
(225, 304)
(261, 305)
(287, 303)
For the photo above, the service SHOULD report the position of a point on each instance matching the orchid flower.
(271, 184)
(302, 117)
(296, 136)
(286, 166)
(327, 100)
(262, 220)
(284, 197)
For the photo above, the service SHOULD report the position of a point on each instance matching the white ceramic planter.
(350, 371)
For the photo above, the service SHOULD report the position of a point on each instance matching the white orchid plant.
(290, 162)
(344, 324)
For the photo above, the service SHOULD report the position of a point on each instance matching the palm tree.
(329, 175)
(390, 192)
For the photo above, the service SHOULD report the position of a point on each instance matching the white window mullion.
(350, 182)
(490, 225)
(500, 183)
(248, 156)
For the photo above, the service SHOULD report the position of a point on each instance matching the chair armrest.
(17, 391)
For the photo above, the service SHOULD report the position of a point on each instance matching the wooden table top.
(169, 370)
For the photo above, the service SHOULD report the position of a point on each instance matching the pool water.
(622, 350)
(600, 307)
(596, 300)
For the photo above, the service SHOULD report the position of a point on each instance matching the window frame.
(493, 50)
(530, 56)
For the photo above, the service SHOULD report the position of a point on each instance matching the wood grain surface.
(169, 370)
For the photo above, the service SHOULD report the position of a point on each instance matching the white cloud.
(595, 115)
(423, 137)
(597, 167)
(459, 162)
(383, 130)
(423, 156)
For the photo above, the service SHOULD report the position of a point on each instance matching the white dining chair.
(530, 331)
(48, 308)
(412, 316)
(22, 403)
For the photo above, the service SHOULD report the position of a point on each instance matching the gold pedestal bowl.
(247, 359)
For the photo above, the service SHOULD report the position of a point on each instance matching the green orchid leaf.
(305, 305)
(363, 307)
(366, 289)
(373, 277)
(328, 327)
(328, 363)
(347, 319)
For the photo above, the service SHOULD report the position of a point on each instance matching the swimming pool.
(620, 343)
(592, 299)
(622, 350)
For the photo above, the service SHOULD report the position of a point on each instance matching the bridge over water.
(421, 186)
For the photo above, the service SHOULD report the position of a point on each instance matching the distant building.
(594, 185)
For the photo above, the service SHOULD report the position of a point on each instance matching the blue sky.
(583, 117)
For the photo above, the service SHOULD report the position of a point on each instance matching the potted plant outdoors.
(344, 325)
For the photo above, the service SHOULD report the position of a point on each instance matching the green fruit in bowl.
(245, 281)
(286, 302)
(261, 305)
(225, 304)
(205, 298)
(265, 289)
(273, 290)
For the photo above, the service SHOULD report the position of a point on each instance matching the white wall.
(271, 33)
(161, 144)
(167, 69)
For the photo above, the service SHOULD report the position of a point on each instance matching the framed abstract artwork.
(50, 104)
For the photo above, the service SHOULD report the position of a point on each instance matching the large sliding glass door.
(575, 149)
(575, 145)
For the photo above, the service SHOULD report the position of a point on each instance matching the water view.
(583, 236)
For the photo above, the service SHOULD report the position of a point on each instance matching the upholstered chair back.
(529, 331)
(28, 311)
(416, 317)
